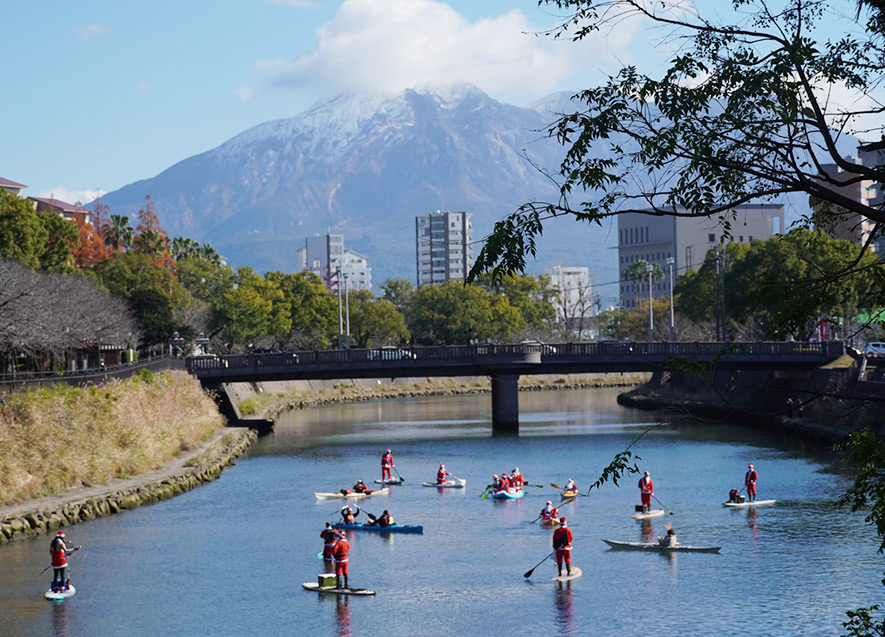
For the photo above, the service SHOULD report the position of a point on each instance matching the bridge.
(505, 363)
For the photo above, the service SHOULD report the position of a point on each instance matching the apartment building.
(443, 246)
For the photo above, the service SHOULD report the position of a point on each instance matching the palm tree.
(118, 234)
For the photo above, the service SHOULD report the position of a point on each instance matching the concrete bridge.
(505, 363)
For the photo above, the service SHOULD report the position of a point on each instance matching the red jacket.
(342, 551)
(751, 477)
(441, 475)
(387, 460)
(646, 485)
(562, 539)
(330, 536)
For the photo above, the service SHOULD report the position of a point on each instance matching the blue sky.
(101, 93)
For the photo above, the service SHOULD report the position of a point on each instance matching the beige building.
(655, 238)
(852, 226)
(443, 246)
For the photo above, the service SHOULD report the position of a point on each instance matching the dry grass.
(63, 437)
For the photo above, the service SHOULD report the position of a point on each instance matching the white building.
(576, 301)
(355, 268)
(444, 250)
(654, 238)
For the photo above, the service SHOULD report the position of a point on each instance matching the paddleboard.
(391, 481)
(576, 572)
(331, 590)
(62, 596)
(654, 513)
(744, 505)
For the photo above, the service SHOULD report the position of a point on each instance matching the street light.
(340, 317)
(651, 314)
(670, 261)
(347, 312)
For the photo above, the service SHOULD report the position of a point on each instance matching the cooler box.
(326, 580)
(638, 508)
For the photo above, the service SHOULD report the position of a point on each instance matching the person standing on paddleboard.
(646, 490)
(562, 544)
(59, 552)
(330, 539)
(342, 558)
(442, 474)
(386, 465)
(750, 482)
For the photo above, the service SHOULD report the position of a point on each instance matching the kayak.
(509, 494)
(651, 546)
(350, 496)
(313, 586)
(569, 494)
(448, 484)
(61, 595)
(550, 522)
(390, 481)
(654, 513)
(393, 528)
(743, 505)
(576, 572)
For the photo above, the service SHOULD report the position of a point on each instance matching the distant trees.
(39, 240)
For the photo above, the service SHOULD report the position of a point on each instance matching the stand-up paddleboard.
(654, 513)
(744, 505)
(576, 572)
(61, 595)
(389, 481)
(331, 590)
(448, 484)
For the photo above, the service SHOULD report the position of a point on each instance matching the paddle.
(661, 503)
(555, 486)
(485, 493)
(528, 574)
(401, 479)
(73, 550)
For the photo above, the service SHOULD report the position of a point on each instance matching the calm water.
(229, 557)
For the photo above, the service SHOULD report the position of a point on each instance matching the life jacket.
(330, 537)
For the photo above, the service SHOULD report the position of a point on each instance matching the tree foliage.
(39, 240)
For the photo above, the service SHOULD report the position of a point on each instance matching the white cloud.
(388, 45)
(301, 4)
(72, 196)
(244, 92)
(143, 86)
(90, 30)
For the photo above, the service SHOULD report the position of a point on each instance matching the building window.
(711, 238)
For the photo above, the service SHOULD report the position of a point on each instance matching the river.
(228, 558)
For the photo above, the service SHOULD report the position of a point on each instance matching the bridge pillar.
(505, 403)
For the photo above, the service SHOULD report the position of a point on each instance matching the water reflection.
(563, 603)
(342, 615)
(60, 619)
(646, 531)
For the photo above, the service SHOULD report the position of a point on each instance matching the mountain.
(364, 166)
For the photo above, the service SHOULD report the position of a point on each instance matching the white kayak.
(349, 496)
(448, 484)
(744, 505)
(390, 481)
(61, 595)
(651, 546)
(654, 513)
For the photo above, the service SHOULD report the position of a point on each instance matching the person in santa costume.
(750, 482)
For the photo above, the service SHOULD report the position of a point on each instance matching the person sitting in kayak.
(549, 511)
(386, 465)
(330, 539)
(646, 491)
(385, 519)
(505, 482)
(669, 539)
(360, 487)
(516, 479)
(562, 544)
(750, 482)
(496, 482)
(342, 558)
(570, 487)
(348, 514)
(442, 474)
(59, 552)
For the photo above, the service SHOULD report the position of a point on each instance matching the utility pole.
(722, 298)
(670, 261)
(347, 312)
(340, 317)
(651, 314)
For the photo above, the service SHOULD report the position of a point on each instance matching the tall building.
(848, 225)
(444, 250)
(654, 238)
(322, 255)
(576, 301)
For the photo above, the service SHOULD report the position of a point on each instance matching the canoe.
(391, 481)
(509, 494)
(550, 522)
(61, 595)
(576, 572)
(651, 546)
(349, 496)
(448, 484)
(569, 494)
(393, 528)
(654, 513)
(331, 590)
(744, 505)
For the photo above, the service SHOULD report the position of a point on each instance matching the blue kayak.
(393, 528)
(509, 494)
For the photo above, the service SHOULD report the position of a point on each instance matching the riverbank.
(202, 464)
(269, 399)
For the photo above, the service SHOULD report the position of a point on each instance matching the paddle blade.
(528, 574)
(555, 486)
(569, 501)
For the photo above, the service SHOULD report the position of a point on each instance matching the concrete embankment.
(87, 503)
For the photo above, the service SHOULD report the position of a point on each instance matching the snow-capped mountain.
(365, 166)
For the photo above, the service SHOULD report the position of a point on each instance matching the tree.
(40, 240)
(375, 321)
(742, 112)
(254, 308)
(531, 297)
(117, 233)
(398, 292)
(312, 311)
(151, 238)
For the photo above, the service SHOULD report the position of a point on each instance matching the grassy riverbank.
(63, 437)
